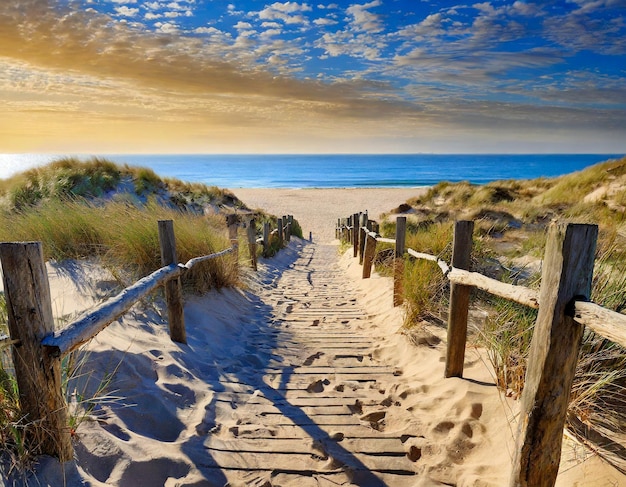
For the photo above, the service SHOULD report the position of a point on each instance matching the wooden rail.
(563, 312)
(38, 348)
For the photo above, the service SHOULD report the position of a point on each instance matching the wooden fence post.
(355, 235)
(252, 243)
(38, 373)
(279, 224)
(567, 274)
(266, 237)
(459, 300)
(368, 255)
(362, 235)
(173, 287)
(232, 222)
(398, 261)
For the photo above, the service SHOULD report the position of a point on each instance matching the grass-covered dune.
(97, 209)
(511, 218)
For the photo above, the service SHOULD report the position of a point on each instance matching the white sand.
(169, 405)
(317, 210)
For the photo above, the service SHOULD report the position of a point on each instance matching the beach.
(177, 413)
(317, 210)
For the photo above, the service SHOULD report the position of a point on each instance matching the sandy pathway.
(316, 411)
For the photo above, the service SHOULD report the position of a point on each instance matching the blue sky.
(254, 76)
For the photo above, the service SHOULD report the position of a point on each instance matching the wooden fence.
(38, 348)
(564, 309)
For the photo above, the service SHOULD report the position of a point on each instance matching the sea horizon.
(302, 171)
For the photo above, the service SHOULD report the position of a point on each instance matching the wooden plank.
(398, 261)
(567, 273)
(459, 300)
(38, 373)
(304, 445)
(307, 464)
(173, 287)
(519, 294)
(90, 324)
(607, 323)
(251, 232)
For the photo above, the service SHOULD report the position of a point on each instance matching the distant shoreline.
(317, 210)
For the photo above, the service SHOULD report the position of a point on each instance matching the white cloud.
(243, 25)
(166, 27)
(363, 19)
(325, 21)
(287, 12)
(151, 16)
(270, 33)
(123, 1)
(152, 5)
(172, 15)
(126, 11)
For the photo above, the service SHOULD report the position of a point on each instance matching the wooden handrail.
(197, 260)
(519, 294)
(89, 325)
(604, 322)
(445, 268)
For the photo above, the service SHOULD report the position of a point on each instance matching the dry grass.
(510, 221)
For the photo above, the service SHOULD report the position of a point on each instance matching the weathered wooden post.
(173, 287)
(362, 235)
(368, 254)
(266, 238)
(252, 243)
(459, 300)
(398, 261)
(567, 274)
(279, 224)
(337, 229)
(355, 235)
(232, 222)
(38, 372)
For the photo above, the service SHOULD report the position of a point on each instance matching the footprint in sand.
(318, 385)
(313, 358)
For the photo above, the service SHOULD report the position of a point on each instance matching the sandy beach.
(277, 367)
(318, 209)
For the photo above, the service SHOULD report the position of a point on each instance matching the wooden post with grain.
(368, 254)
(38, 372)
(173, 287)
(362, 235)
(567, 275)
(252, 243)
(459, 300)
(279, 224)
(266, 238)
(355, 235)
(398, 261)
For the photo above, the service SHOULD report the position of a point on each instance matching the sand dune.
(296, 341)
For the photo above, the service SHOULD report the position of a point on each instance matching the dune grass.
(511, 218)
(83, 210)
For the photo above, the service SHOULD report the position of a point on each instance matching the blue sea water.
(345, 170)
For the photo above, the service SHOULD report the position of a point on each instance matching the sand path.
(317, 410)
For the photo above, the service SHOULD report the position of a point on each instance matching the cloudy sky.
(246, 76)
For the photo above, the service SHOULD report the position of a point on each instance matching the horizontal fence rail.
(37, 348)
(563, 312)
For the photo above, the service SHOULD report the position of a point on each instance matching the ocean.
(332, 171)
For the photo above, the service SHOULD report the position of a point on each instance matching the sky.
(248, 76)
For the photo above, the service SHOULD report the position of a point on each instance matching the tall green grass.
(125, 237)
